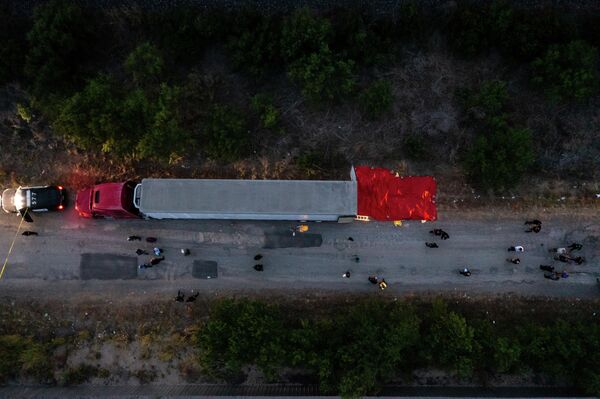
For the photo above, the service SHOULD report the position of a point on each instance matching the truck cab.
(107, 200)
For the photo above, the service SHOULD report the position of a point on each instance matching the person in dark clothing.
(192, 298)
(185, 252)
(575, 247)
(516, 261)
(134, 238)
(258, 257)
(258, 267)
(151, 239)
(465, 272)
(563, 258)
(436, 232)
(350, 239)
(551, 276)
(444, 235)
(431, 245)
(373, 279)
(356, 258)
(547, 268)
(533, 222)
(28, 233)
(578, 260)
(180, 297)
(536, 228)
(141, 252)
(156, 261)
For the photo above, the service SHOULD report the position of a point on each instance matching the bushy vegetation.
(59, 47)
(377, 99)
(355, 351)
(23, 356)
(500, 154)
(127, 83)
(499, 157)
(226, 133)
(567, 72)
(520, 35)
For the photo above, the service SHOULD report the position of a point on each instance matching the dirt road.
(51, 263)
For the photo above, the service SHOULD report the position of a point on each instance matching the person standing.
(347, 274)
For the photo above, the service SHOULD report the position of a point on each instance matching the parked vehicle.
(369, 194)
(33, 199)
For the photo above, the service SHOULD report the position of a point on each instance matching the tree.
(491, 98)
(145, 65)
(498, 159)
(90, 118)
(242, 333)
(256, 47)
(567, 72)
(58, 48)
(377, 99)
(226, 134)
(323, 76)
(304, 33)
(166, 140)
(451, 340)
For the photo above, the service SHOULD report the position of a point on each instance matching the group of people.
(181, 297)
(157, 251)
(561, 254)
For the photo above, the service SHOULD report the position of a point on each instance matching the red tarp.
(383, 196)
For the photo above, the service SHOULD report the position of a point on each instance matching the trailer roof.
(301, 199)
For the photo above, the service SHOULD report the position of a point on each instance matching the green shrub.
(377, 99)
(59, 46)
(90, 118)
(269, 115)
(491, 98)
(145, 65)
(323, 76)
(166, 140)
(451, 340)
(567, 72)
(226, 134)
(497, 160)
(241, 333)
(181, 33)
(304, 33)
(521, 35)
(255, 47)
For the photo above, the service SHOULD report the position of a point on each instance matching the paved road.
(50, 264)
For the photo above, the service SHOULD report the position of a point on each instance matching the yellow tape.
(12, 244)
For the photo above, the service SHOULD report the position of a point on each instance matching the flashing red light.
(60, 187)
(60, 207)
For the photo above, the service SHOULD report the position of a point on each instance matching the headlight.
(19, 201)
